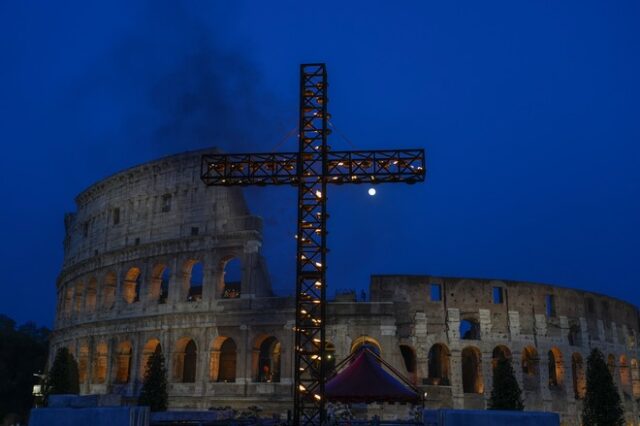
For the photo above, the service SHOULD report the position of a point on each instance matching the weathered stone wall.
(226, 350)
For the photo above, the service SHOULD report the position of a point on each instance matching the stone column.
(457, 391)
(487, 375)
(119, 302)
(287, 353)
(208, 280)
(584, 330)
(243, 365)
(485, 323)
(175, 283)
(543, 369)
(202, 362)
(453, 324)
(250, 286)
(514, 324)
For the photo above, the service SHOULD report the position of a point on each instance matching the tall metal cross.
(311, 169)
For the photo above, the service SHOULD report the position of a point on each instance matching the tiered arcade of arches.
(80, 302)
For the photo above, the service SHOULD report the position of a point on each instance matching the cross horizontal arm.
(249, 169)
(371, 167)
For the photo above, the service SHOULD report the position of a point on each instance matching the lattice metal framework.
(311, 169)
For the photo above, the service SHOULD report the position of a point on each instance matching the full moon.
(372, 191)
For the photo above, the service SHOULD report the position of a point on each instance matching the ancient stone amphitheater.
(154, 259)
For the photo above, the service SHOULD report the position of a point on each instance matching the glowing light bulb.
(372, 191)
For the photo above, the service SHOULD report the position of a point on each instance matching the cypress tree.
(602, 404)
(63, 376)
(506, 393)
(154, 388)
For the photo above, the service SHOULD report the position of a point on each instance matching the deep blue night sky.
(529, 112)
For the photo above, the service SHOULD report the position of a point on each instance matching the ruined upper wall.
(528, 299)
(150, 203)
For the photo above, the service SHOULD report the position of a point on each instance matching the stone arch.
(269, 352)
(223, 360)
(410, 364)
(78, 298)
(366, 340)
(159, 284)
(556, 368)
(193, 276)
(123, 362)
(469, 329)
(635, 378)
(109, 286)
(131, 285)
(625, 376)
(439, 361)
(91, 298)
(100, 363)
(579, 379)
(148, 349)
(500, 352)
(83, 363)
(186, 357)
(472, 370)
(231, 277)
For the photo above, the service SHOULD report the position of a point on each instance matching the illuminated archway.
(471, 370)
(439, 365)
(123, 362)
(556, 368)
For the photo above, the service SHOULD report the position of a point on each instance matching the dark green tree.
(23, 352)
(506, 393)
(602, 406)
(154, 389)
(63, 376)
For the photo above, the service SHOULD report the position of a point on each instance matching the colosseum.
(154, 259)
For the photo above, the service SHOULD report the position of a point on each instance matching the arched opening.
(439, 365)
(556, 369)
(79, 298)
(228, 361)
(83, 364)
(231, 278)
(159, 289)
(500, 353)
(131, 285)
(625, 377)
(471, 371)
(469, 329)
(579, 379)
(152, 345)
(91, 298)
(109, 290)
(123, 363)
(372, 343)
(611, 364)
(100, 363)
(186, 360)
(269, 360)
(194, 275)
(223, 360)
(409, 358)
(574, 336)
(635, 378)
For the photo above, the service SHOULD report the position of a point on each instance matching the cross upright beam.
(311, 169)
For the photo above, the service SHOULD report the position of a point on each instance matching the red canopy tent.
(364, 379)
